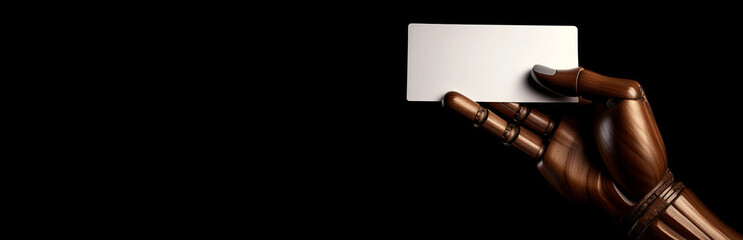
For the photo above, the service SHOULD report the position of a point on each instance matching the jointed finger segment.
(535, 120)
(511, 134)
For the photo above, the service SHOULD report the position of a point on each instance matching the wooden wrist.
(672, 211)
(652, 205)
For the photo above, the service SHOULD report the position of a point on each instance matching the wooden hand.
(615, 161)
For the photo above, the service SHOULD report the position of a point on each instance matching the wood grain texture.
(592, 85)
(617, 162)
(688, 218)
(631, 146)
(567, 168)
(563, 82)
(528, 143)
(473, 111)
(625, 130)
(524, 140)
(535, 120)
(564, 163)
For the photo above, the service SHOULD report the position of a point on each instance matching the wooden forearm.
(689, 218)
(685, 217)
(671, 211)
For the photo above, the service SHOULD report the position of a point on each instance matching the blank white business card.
(487, 63)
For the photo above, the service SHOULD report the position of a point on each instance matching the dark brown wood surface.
(631, 146)
(538, 121)
(630, 163)
(688, 218)
(625, 130)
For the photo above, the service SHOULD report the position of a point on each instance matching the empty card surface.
(487, 63)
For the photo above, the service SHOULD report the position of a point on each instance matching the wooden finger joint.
(542, 150)
(521, 113)
(551, 126)
(481, 116)
(510, 134)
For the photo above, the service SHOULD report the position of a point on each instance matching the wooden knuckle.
(597, 86)
(634, 90)
(542, 150)
(510, 134)
(551, 127)
(481, 116)
(521, 113)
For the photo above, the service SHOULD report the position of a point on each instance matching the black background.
(200, 134)
(393, 168)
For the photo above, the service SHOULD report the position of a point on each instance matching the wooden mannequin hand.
(606, 151)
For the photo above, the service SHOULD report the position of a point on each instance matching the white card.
(487, 63)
